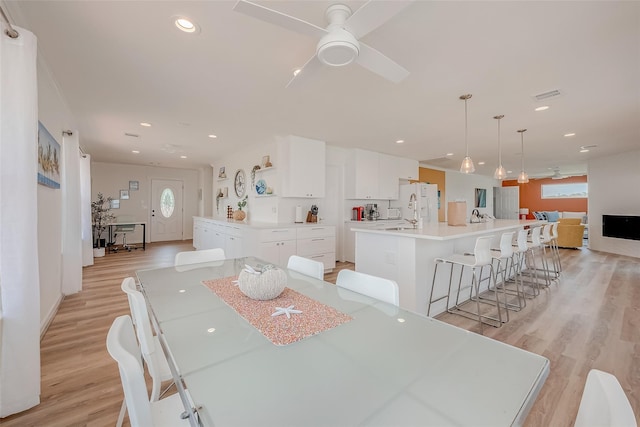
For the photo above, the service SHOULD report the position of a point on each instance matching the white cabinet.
(349, 247)
(371, 175)
(361, 175)
(276, 245)
(319, 244)
(303, 167)
(209, 234)
(406, 168)
(388, 183)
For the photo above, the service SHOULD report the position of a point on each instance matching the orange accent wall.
(432, 176)
(530, 196)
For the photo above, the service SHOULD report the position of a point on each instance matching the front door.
(506, 202)
(166, 210)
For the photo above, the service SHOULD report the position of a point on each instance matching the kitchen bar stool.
(520, 251)
(477, 262)
(547, 241)
(505, 258)
(534, 252)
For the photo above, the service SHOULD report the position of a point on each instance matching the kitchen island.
(406, 255)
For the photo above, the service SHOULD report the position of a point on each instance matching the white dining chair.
(196, 257)
(306, 266)
(604, 403)
(376, 287)
(123, 348)
(150, 348)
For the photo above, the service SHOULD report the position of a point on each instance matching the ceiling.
(120, 63)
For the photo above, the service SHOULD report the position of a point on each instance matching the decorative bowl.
(265, 286)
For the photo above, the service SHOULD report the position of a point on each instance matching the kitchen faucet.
(413, 204)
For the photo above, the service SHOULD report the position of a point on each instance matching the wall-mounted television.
(621, 226)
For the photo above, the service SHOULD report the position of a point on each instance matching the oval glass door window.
(167, 202)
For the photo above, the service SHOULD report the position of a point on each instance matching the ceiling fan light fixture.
(338, 48)
(467, 164)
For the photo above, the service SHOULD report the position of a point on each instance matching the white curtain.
(19, 283)
(85, 210)
(71, 216)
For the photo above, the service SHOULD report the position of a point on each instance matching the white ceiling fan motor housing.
(339, 47)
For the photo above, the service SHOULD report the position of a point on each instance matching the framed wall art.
(134, 185)
(48, 158)
(124, 194)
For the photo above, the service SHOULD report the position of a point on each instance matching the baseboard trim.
(52, 313)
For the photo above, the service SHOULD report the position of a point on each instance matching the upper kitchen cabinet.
(372, 175)
(362, 174)
(303, 167)
(406, 168)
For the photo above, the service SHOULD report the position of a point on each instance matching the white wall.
(461, 186)
(110, 178)
(56, 117)
(613, 190)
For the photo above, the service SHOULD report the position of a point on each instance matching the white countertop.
(443, 231)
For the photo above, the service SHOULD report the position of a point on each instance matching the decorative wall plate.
(261, 186)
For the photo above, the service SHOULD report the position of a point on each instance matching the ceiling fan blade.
(372, 15)
(278, 18)
(376, 62)
(312, 65)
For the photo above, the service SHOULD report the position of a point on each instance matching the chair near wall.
(306, 266)
(376, 287)
(197, 257)
(123, 348)
(604, 403)
(124, 228)
(570, 233)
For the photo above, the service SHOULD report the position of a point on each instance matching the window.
(167, 202)
(577, 190)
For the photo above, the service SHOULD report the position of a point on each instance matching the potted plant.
(101, 217)
(239, 215)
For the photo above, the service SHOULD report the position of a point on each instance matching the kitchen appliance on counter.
(425, 204)
(357, 213)
(371, 211)
(394, 213)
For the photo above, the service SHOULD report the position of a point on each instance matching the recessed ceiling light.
(569, 134)
(449, 154)
(544, 107)
(509, 171)
(400, 141)
(183, 157)
(186, 25)
(481, 163)
(135, 151)
(145, 124)
(213, 136)
(584, 150)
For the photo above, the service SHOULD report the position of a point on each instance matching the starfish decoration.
(286, 310)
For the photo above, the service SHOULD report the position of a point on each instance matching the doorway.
(166, 210)
(506, 202)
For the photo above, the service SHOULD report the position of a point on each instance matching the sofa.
(570, 232)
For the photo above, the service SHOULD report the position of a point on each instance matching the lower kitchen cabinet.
(274, 245)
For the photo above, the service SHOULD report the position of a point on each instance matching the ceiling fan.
(339, 43)
(557, 174)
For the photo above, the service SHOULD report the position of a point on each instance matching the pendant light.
(500, 173)
(523, 178)
(467, 163)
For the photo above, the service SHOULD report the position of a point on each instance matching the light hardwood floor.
(591, 320)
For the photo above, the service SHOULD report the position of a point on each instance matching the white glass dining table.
(384, 367)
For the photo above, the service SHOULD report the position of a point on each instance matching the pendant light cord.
(466, 142)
